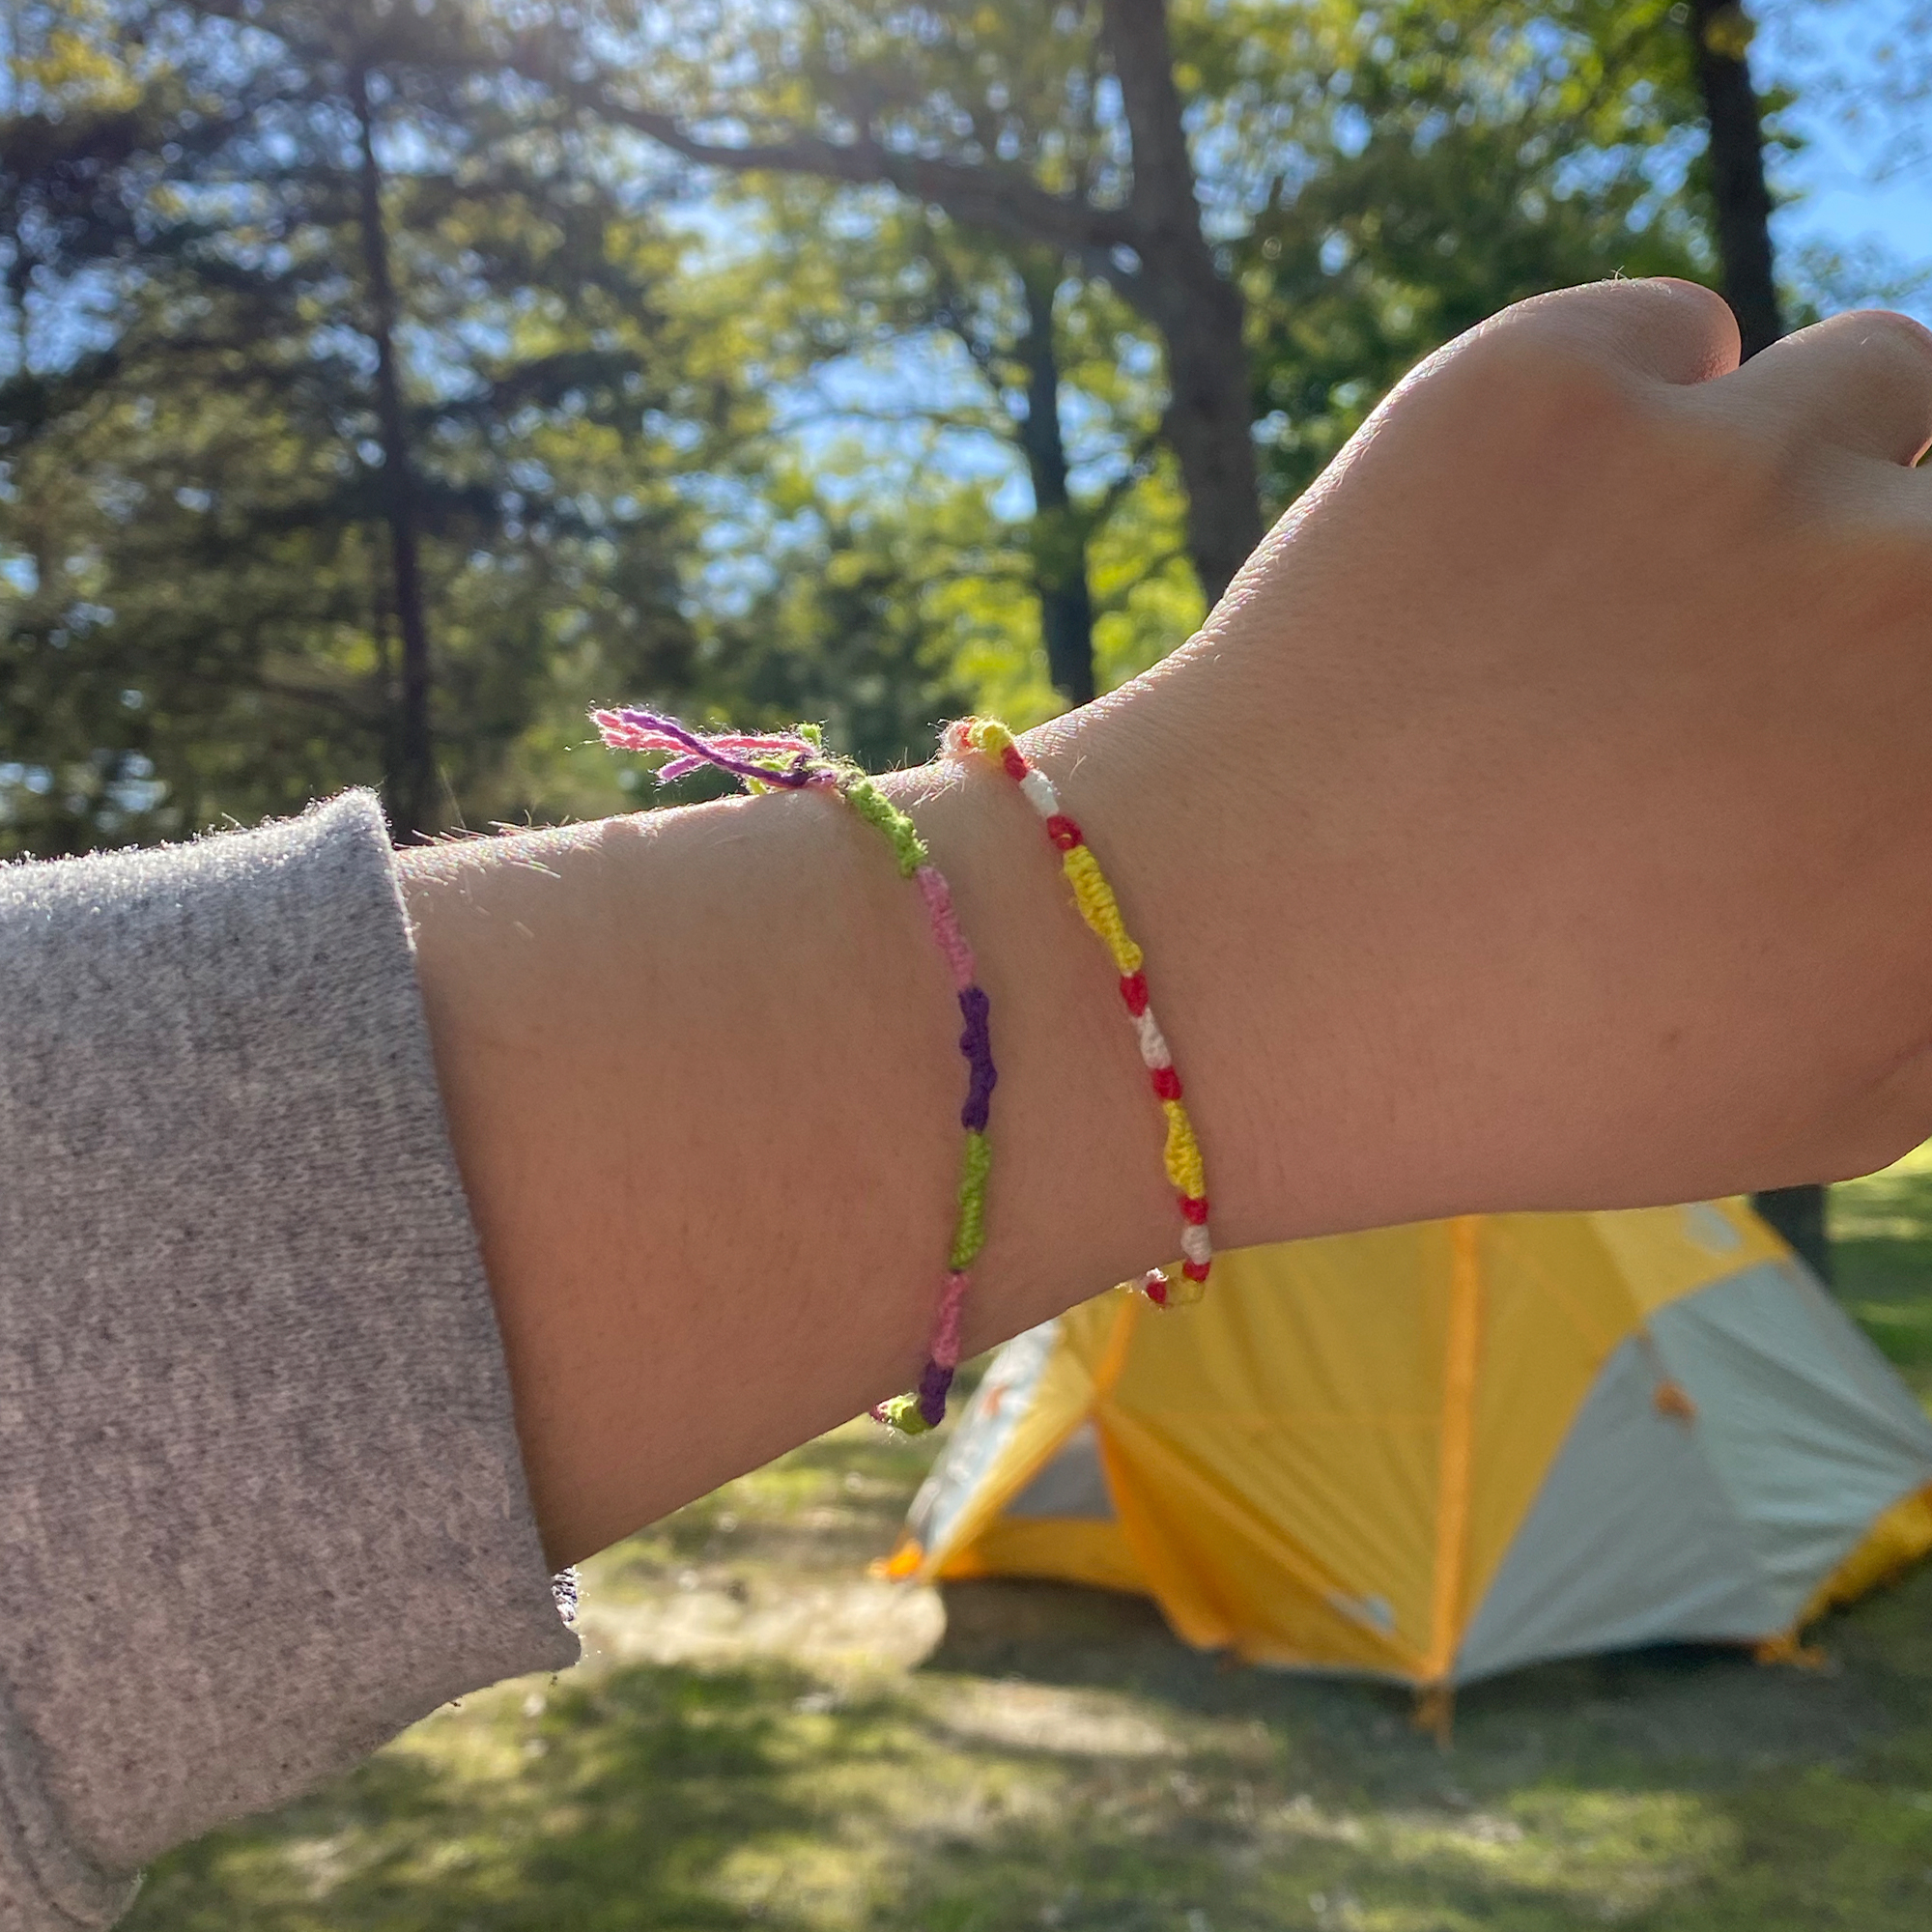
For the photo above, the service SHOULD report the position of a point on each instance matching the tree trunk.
(1199, 313)
(1719, 36)
(1800, 1217)
(1152, 251)
(411, 782)
(1059, 533)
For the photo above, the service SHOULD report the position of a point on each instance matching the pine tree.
(349, 444)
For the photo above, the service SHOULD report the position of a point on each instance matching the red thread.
(1093, 898)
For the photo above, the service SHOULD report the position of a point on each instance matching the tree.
(849, 627)
(1002, 308)
(1151, 154)
(1417, 169)
(1054, 127)
(997, 353)
(1059, 536)
(411, 777)
(1720, 37)
(364, 426)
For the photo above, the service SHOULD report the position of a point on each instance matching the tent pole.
(1456, 1458)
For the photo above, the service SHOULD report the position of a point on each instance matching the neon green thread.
(876, 809)
(969, 1232)
(902, 1413)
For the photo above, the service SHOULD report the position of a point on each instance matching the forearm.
(701, 1074)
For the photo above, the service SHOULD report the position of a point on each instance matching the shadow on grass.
(688, 1800)
(1673, 1790)
(613, 1806)
(1882, 1250)
(1679, 1787)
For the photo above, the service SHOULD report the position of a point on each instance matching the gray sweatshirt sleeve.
(261, 1503)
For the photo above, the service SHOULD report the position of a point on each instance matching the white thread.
(1039, 793)
(1153, 1047)
(1195, 1244)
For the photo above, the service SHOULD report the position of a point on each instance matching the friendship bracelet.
(1099, 907)
(795, 761)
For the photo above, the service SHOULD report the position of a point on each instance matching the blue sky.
(1829, 52)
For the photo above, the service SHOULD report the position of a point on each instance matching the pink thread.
(792, 762)
(946, 1329)
(641, 731)
(782, 759)
(946, 932)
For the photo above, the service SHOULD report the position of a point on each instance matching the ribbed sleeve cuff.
(259, 1483)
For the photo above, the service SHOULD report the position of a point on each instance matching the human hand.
(1542, 820)
(1545, 814)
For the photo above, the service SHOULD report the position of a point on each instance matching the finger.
(1861, 381)
(1668, 331)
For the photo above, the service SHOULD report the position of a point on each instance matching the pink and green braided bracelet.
(797, 762)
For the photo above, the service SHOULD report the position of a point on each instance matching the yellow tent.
(1438, 1452)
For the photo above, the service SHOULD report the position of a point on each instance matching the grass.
(1882, 1234)
(763, 1737)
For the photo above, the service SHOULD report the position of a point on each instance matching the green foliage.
(843, 637)
(1422, 166)
(1027, 372)
(197, 616)
(754, 442)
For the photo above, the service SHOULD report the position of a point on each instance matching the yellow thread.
(988, 736)
(1184, 1167)
(1094, 897)
(1183, 1290)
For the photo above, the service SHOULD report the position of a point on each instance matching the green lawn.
(763, 1737)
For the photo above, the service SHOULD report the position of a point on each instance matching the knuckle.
(1890, 332)
(1877, 355)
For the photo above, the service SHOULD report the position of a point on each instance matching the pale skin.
(1542, 819)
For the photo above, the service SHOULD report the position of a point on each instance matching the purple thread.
(635, 729)
(697, 752)
(801, 772)
(977, 1044)
(932, 1387)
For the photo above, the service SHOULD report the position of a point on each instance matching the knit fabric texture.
(261, 1501)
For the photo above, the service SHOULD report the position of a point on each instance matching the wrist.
(1078, 1200)
(1257, 953)
(700, 1073)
